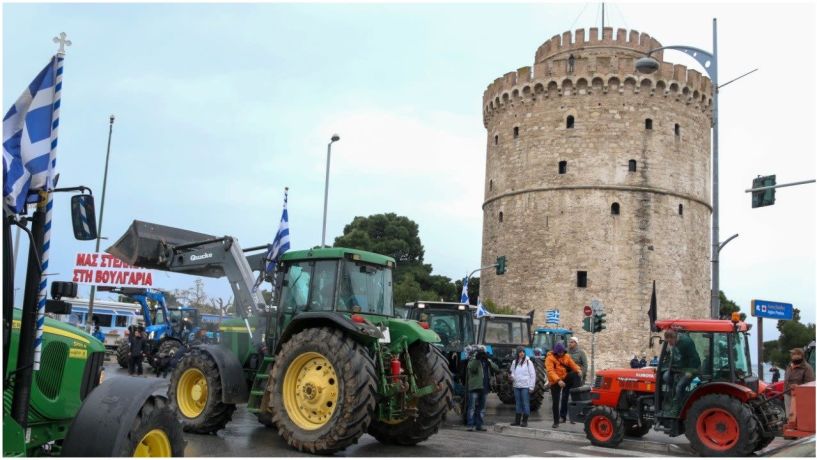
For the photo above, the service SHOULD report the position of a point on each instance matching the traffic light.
(500, 265)
(763, 197)
(599, 322)
(587, 323)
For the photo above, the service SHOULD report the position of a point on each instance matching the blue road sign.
(773, 310)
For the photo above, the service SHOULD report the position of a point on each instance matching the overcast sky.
(219, 107)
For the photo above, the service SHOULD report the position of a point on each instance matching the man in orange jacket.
(562, 375)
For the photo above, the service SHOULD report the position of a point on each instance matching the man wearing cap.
(797, 373)
(578, 356)
(563, 374)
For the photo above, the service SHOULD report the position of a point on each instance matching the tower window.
(562, 167)
(496, 139)
(515, 132)
(631, 165)
(491, 184)
(501, 216)
(570, 121)
(615, 209)
(648, 123)
(680, 210)
(677, 129)
(581, 279)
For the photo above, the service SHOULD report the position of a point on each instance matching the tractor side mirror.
(652, 340)
(83, 217)
(58, 307)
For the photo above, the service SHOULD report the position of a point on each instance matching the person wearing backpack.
(523, 376)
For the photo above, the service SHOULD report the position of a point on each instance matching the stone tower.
(597, 182)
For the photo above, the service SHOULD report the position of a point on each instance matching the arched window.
(680, 210)
(631, 165)
(515, 132)
(570, 121)
(501, 216)
(677, 129)
(615, 209)
(562, 167)
(648, 123)
(496, 139)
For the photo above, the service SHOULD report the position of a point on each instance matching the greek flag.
(279, 245)
(464, 296)
(30, 139)
(552, 317)
(481, 311)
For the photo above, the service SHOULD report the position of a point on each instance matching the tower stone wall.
(551, 186)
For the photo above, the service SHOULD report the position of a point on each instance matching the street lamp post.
(89, 318)
(335, 138)
(709, 61)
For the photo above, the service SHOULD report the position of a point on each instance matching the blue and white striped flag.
(464, 296)
(552, 317)
(279, 245)
(481, 311)
(30, 139)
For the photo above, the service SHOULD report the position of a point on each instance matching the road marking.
(621, 452)
(563, 453)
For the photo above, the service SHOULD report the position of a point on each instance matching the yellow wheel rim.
(310, 391)
(153, 444)
(192, 393)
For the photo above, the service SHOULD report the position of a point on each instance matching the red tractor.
(703, 388)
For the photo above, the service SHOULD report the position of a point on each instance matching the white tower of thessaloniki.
(597, 182)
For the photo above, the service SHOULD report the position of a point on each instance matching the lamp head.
(647, 65)
(335, 138)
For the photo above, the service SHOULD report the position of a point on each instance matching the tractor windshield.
(365, 288)
(506, 332)
(453, 326)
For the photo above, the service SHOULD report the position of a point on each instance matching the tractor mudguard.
(412, 331)
(102, 413)
(739, 392)
(234, 387)
(361, 332)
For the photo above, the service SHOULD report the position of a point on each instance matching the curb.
(555, 435)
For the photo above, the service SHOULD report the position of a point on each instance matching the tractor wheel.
(323, 391)
(719, 425)
(538, 394)
(430, 369)
(195, 394)
(265, 418)
(504, 388)
(636, 431)
(169, 347)
(603, 427)
(123, 353)
(156, 432)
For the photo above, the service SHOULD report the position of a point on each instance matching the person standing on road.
(775, 374)
(523, 376)
(563, 374)
(797, 373)
(479, 385)
(136, 351)
(578, 356)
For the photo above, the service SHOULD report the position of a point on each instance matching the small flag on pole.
(652, 313)
(464, 296)
(481, 311)
(552, 317)
(279, 245)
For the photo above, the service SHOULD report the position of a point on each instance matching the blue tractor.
(167, 329)
(545, 338)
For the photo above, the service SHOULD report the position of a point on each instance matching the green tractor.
(324, 363)
(67, 407)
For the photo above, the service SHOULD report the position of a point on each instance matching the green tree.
(492, 307)
(793, 334)
(473, 290)
(728, 307)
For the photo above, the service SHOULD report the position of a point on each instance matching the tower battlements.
(568, 41)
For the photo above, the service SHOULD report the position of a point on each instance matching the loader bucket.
(145, 244)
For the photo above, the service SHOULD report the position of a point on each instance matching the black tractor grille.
(599, 380)
(52, 365)
(90, 377)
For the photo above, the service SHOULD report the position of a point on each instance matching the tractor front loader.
(325, 364)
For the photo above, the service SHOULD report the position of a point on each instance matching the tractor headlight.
(151, 335)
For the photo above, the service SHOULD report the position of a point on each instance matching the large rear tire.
(195, 394)
(156, 432)
(538, 394)
(504, 388)
(603, 427)
(123, 353)
(430, 368)
(323, 390)
(719, 425)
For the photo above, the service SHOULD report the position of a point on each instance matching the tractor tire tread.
(122, 351)
(539, 388)
(749, 430)
(155, 413)
(216, 413)
(618, 426)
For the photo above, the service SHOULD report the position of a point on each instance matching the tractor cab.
(503, 334)
(544, 338)
(451, 321)
(699, 353)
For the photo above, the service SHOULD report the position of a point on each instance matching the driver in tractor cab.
(684, 363)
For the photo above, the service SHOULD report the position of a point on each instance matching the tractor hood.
(645, 374)
(407, 328)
